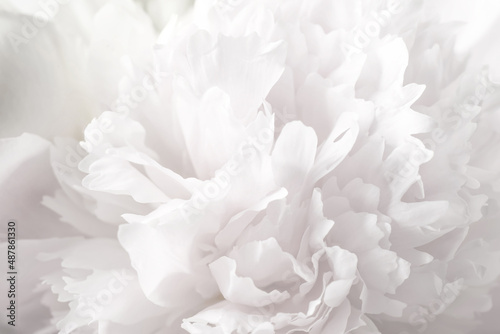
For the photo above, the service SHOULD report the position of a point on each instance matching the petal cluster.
(281, 167)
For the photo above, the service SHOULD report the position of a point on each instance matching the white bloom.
(278, 167)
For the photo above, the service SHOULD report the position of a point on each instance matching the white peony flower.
(271, 167)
